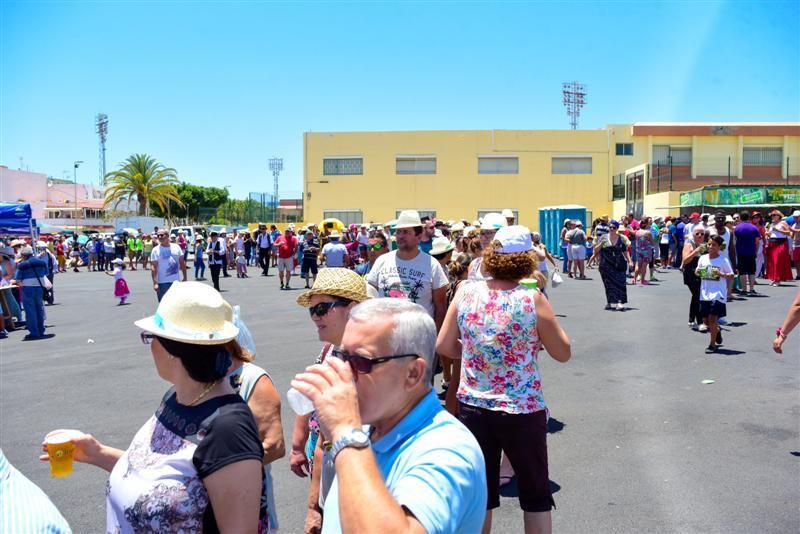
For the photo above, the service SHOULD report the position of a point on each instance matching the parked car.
(191, 232)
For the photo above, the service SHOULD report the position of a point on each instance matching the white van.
(191, 232)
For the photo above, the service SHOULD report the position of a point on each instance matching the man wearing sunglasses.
(166, 261)
(415, 468)
(376, 247)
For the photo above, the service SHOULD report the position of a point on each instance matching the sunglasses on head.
(146, 337)
(322, 309)
(362, 364)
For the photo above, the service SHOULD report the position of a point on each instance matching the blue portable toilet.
(551, 220)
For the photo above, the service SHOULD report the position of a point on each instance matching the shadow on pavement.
(512, 489)
(730, 352)
(554, 425)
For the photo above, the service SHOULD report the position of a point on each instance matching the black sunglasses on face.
(362, 364)
(146, 337)
(322, 309)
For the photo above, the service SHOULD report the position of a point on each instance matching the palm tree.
(143, 178)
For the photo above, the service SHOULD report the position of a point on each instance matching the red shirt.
(286, 249)
(59, 249)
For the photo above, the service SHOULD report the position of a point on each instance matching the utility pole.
(574, 94)
(101, 127)
(77, 210)
(276, 166)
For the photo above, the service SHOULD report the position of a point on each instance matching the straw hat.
(457, 227)
(334, 234)
(193, 313)
(441, 245)
(336, 282)
(493, 221)
(408, 219)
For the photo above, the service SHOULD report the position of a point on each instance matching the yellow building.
(640, 168)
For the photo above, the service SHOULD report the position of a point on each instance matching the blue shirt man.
(31, 273)
(440, 485)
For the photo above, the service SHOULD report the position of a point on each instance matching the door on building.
(634, 194)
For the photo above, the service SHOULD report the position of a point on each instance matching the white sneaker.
(693, 325)
(702, 328)
(620, 306)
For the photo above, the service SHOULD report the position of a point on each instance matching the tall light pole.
(75, 179)
(101, 127)
(276, 166)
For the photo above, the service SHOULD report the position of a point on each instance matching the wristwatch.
(355, 437)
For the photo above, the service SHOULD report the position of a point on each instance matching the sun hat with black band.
(408, 219)
(514, 239)
(441, 245)
(336, 282)
(192, 313)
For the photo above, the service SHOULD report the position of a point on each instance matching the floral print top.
(499, 367)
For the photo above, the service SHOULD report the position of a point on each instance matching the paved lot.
(639, 444)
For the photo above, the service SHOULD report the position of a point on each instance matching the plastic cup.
(300, 404)
(530, 283)
(60, 449)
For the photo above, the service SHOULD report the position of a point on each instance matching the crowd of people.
(393, 306)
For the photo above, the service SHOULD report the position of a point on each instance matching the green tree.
(193, 198)
(143, 178)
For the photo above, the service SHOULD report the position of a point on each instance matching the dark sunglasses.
(147, 337)
(362, 364)
(322, 309)
(376, 246)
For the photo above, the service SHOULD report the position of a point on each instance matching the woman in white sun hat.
(490, 224)
(195, 465)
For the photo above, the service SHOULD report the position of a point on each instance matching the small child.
(241, 264)
(121, 290)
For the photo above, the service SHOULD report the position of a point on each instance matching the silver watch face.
(358, 437)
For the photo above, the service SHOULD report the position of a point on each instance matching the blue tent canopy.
(15, 218)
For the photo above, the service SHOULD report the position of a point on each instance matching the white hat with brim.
(796, 213)
(408, 219)
(441, 245)
(192, 313)
(118, 262)
(493, 221)
(514, 239)
(457, 227)
(508, 214)
(334, 234)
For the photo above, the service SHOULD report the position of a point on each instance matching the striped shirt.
(24, 507)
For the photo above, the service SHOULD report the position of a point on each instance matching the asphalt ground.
(638, 443)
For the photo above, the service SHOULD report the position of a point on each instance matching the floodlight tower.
(101, 127)
(276, 166)
(574, 99)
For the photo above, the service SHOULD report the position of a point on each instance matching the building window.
(624, 149)
(348, 217)
(572, 165)
(498, 165)
(422, 213)
(339, 166)
(482, 213)
(415, 164)
(665, 154)
(762, 156)
(618, 188)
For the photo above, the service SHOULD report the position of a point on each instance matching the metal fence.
(257, 207)
(754, 169)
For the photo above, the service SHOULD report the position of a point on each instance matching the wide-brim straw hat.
(408, 219)
(336, 282)
(193, 313)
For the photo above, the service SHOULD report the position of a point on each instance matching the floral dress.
(500, 346)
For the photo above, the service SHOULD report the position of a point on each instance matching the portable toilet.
(551, 220)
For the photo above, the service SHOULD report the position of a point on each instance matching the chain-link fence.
(257, 207)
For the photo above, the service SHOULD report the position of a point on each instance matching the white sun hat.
(514, 239)
(441, 245)
(457, 227)
(408, 219)
(193, 313)
(493, 221)
(508, 214)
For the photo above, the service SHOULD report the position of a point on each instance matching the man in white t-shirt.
(408, 273)
(165, 262)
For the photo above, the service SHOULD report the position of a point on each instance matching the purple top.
(746, 234)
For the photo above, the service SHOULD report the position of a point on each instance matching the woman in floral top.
(501, 325)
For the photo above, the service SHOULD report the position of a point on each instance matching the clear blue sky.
(214, 89)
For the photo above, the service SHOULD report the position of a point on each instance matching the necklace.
(205, 392)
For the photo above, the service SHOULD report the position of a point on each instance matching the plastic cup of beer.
(530, 283)
(60, 449)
